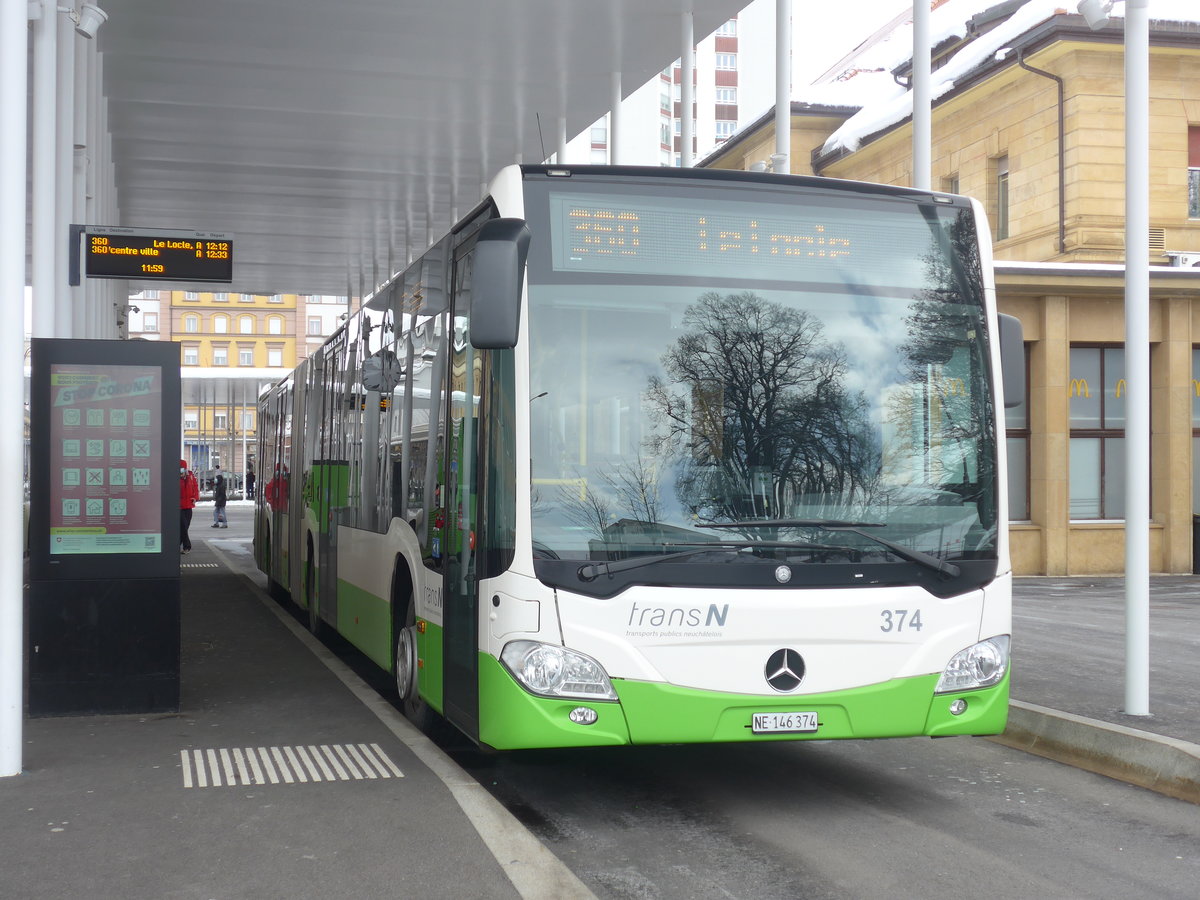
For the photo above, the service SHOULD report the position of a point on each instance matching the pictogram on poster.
(105, 457)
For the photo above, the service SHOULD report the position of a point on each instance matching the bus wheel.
(414, 708)
(314, 618)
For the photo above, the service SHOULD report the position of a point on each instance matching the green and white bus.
(638, 456)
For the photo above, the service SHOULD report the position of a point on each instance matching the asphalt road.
(954, 818)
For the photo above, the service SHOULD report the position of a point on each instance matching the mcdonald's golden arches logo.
(1079, 388)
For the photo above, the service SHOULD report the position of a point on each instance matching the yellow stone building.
(1029, 118)
(230, 344)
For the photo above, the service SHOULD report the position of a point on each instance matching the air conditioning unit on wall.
(1180, 259)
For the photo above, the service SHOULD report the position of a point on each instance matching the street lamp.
(1096, 12)
(1137, 341)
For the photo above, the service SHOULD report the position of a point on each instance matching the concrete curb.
(1162, 764)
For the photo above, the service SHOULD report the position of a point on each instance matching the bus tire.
(315, 625)
(404, 669)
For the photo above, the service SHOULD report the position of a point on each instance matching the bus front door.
(461, 609)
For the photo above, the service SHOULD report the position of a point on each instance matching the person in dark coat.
(219, 498)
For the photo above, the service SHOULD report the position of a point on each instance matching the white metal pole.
(614, 121)
(14, 61)
(687, 91)
(922, 133)
(79, 166)
(45, 73)
(64, 167)
(1137, 358)
(781, 161)
(561, 156)
(93, 174)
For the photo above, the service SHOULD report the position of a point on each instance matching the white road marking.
(201, 776)
(262, 752)
(362, 763)
(316, 754)
(341, 751)
(254, 767)
(224, 767)
(333, 760)
(295, 764)
(240, 761)
(212, 768)
(227, 767)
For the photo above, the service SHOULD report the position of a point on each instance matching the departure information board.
(159, 255)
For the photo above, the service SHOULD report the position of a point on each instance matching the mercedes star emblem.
(784, 670)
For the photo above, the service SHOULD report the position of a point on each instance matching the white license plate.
(781, 722)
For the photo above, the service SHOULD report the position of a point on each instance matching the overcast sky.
(823, 31)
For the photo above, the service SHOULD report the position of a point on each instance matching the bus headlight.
(553, 671)
(979, 666)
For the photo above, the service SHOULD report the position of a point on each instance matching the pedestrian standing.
(219, 497)
(189, 493)
(249, 482)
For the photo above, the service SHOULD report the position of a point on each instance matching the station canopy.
(332, 137)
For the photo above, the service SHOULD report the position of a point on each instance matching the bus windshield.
(805, 368)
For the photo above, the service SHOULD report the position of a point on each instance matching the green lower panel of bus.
(650, 713)
(365, 621)
(430, 660)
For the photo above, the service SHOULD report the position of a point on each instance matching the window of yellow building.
(1097, 410)
(1016, 421)
(1196, 430)
(220, 324)
(1001, 191)
(1194, 172)
(191, 324)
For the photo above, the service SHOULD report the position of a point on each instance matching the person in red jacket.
(189, 493)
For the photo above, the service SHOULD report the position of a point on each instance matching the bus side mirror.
(500, 254)
(1012, 360)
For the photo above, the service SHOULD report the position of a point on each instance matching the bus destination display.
(697, 238)
(162, 255)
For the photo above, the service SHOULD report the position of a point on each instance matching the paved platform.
(282, 776)
(285, 775)
(1069, 674)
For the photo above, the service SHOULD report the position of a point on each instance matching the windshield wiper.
(917, 556)
(592, 571)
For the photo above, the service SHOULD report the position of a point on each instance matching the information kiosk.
(104, 527)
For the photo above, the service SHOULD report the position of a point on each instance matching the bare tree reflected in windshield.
(755, 413)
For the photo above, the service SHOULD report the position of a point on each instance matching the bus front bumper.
(652, 713)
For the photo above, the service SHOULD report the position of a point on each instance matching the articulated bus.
(637, 456)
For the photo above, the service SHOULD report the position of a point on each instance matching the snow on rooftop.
(884, 103)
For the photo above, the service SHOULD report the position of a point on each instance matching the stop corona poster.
(105, 459)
